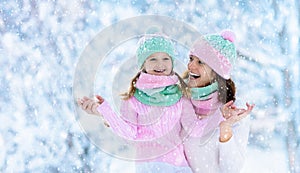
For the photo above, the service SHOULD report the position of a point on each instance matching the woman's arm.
(232, 115)
(234, 133)
(190, 123)
(232, 153)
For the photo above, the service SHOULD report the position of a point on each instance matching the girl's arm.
(123, 128)
(126, 129)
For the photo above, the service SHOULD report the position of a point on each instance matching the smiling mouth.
(193, 75)
(159, 71)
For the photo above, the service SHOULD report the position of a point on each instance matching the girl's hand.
(90, 105)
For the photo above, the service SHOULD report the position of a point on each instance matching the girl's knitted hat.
(217, 51)
(154, 42)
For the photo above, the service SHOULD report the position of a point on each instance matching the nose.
(160, 65)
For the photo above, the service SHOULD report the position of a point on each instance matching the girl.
(152, 109)
(218, 142)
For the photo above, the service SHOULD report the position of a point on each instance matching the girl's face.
(200, 74)
(158, 63)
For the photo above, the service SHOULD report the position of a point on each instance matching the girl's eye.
(152, 59)
(191, 58)
(166, 58)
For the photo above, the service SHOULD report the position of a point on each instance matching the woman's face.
(200, 74)
(159, 63)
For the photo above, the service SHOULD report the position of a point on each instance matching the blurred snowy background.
(41, 42)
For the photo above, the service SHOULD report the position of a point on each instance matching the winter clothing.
(202, 93)
(155, 129)
(158, 167)
(152, 43)
(203, 150)
(217, 51)
(166, 95)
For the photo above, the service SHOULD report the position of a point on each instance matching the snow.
(40, 46)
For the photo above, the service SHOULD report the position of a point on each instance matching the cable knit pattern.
(156, 129)
(203, 150)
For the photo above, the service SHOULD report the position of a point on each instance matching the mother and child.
(181, 124)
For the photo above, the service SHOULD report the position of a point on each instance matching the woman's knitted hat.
(152, 43)
(217, 51)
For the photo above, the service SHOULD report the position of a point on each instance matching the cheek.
(189, 66)
(207, 71)
(147, 66)
(170, 64)
(210, 73)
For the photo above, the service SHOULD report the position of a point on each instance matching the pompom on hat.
(217, 51)
(154, 41)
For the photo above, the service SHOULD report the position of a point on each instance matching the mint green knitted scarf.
(164, 96)
(202, 93)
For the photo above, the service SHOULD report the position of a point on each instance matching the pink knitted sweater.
(155, 130)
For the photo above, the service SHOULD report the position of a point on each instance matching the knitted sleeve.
(233, 152)
(123, 128)
(189, 120)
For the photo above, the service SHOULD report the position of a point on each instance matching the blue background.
(41, 42)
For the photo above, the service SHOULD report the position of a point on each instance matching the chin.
(192, 84)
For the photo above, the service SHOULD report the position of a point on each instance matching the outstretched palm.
(232, 114)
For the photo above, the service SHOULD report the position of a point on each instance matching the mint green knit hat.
(152, 43)
(224, 43)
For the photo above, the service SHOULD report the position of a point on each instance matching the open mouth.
(159, 70)
(193, 75)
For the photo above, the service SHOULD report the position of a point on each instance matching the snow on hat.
(217, 51)
(154, 42)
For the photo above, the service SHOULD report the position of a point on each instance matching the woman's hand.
(90, 105)
(232, 114)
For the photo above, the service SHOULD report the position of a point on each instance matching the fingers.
(89, 105)
(240, 111)
(234, 114)
(86, 104)
(79, 102)
(229, 109)
(244, 112)
(94, 107)
(249, 107)
(229, 104)
(85, 98)
(233, 107)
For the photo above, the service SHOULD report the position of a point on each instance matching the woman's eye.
(191, 59)
(166, 58)
(200, 62)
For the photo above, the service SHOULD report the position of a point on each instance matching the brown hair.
(182, 86)
(226, 88)
(131, 90)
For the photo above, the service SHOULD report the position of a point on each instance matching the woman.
(218, 142)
